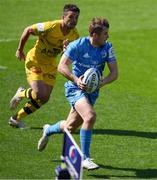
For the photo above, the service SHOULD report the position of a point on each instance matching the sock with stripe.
(30, 107)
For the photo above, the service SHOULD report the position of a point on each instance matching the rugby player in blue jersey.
(84, 53)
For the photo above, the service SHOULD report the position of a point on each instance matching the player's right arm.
(64, 69)
(24, 37)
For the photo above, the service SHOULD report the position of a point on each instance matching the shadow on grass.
(117, 132)
(37, 128)
(139, 173)
(56, 160)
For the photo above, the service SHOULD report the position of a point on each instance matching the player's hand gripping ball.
(92, 78)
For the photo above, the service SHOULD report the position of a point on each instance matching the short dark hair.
(71, 7)
(97, 25)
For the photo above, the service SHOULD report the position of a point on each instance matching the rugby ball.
(92, 78)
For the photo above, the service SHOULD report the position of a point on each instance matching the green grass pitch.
(125, 136)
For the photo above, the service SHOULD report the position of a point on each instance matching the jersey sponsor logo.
(40, 27)
(50, 53)
(86, 55)
(90, 65)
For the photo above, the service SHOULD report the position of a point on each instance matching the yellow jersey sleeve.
(42, 28)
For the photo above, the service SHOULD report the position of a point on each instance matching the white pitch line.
(3, 67)
(14, 39)
(8, 40)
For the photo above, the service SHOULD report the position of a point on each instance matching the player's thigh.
(33, 71)
(42, 83)
(36, 71)
(40, 87)
(73, 121)
(85, 109)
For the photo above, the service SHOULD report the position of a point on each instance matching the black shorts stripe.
(27, 110)
(30, 93)
(35, 104)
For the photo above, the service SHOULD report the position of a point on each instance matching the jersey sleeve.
(72, 51)
(111, 54)
(42, 28)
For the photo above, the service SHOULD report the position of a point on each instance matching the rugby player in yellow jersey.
(40, 61)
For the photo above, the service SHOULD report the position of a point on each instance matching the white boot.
(89, 164)
(18, 124)
(16, 99)
(44, 139)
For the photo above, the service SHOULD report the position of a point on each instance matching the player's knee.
(42, 97)
(90, 118)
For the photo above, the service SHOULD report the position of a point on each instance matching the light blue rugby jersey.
(85, 56)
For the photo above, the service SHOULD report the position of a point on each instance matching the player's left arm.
(113, 74)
